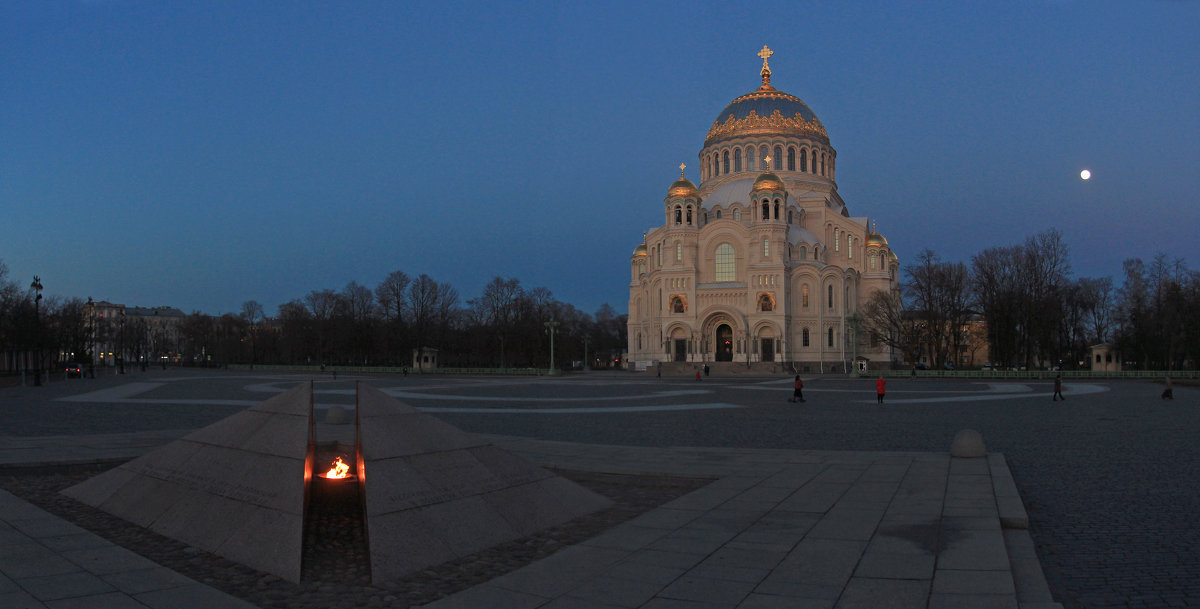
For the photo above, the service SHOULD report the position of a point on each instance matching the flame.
(339, 470)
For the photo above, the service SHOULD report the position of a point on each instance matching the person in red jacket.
(798, 392)
(879, 388)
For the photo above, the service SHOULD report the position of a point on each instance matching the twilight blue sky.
(200, 154)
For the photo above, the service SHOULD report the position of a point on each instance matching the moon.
(1085, 174)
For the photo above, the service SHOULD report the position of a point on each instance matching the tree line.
(1031, 313)
(354, 326)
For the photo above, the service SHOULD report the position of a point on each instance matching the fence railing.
(1037, 374)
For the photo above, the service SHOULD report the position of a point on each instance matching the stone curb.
(1008, 499)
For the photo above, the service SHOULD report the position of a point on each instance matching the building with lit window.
(762, 262)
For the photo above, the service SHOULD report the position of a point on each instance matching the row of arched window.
(803, 159)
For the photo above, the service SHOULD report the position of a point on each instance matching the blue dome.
(754, 113)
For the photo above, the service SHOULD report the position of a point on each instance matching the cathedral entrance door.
(768, 349)
(681, 349)
(724, 343)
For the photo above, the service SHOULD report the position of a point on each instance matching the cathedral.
(762, 262)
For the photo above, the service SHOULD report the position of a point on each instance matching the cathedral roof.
(766, 110)
(799, 234)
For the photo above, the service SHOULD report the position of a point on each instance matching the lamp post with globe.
(551, 326)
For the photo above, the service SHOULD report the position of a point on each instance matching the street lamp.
(36, 286)
(551, 326)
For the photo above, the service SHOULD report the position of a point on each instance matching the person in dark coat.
(1058, 388)
(1169, 392)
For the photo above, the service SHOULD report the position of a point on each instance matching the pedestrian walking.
(797, 391)
(1169, 392)
(880, 386)
(705, 369)
(659, 368)
(697, 374)
(1058, 388)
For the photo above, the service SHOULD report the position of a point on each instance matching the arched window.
(689, 215)
(791, 159)
(765, 303)
(831, 296)
(726, 158)
(804, 295)
(776, 209)
(641, 269)
(872, 262)
(803, 255)
(816, 253)
(822, 163)
(803, 159)
(814, 161)
(705, 217)
(766, 210)
(789, 216)
(639, 341)
(737, 215)
(726, 266)
(804, 337)
(751, 163)
(737, 159)
(678, 215)
(766, 248)
(849, 247)
(678, 251)
(831, 337)
(837, 240)
(716, 167)
(779, 158)
(718, 214)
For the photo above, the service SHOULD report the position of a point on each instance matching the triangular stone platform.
(433, 492)
(237, 488)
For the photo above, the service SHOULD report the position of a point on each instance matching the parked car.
(74, 370)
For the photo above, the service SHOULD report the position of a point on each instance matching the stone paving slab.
(48, 563)
(777, 528)
(787, 529)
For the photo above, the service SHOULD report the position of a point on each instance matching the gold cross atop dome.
(766, 69)
(681, 168)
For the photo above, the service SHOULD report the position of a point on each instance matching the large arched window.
(751, 161)
(803, 159)
(678, 215)
(791, 159)
(737, 159)
(779, 158)
(737, 215)
(726, 265)
(726, 158)
(831, 296)
(766, 210)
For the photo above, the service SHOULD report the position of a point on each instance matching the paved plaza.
(1107, 478)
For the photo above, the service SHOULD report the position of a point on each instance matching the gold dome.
(640, 250)
(876, 239)
(768, 181)
(683, 187)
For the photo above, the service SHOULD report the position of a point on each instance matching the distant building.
(1105, 358)
(132, 334)
(763, 261)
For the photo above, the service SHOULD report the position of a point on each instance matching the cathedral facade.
(762, 262)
